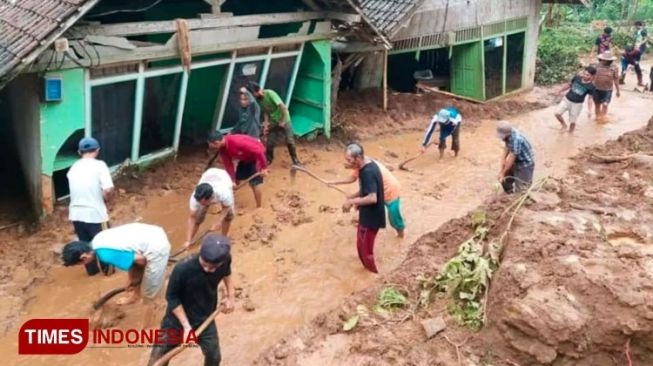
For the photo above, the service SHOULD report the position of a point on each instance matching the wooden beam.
(385, 80)
(168, 26)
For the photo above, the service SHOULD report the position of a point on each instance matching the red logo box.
(53, 336)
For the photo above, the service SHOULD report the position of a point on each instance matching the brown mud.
(295, 257)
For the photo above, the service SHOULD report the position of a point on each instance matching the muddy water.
(309, 268)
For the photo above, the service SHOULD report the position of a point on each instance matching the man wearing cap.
(607, 76)
(448, 120)
(518, 161)
(245, 149)
(214, 187)
(192, 296)
(276, 121)
(90, 184)
(138, 248)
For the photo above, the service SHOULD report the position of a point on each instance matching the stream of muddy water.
(309, 268)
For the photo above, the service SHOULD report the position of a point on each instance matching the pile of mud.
(575, 286)
(360, 115)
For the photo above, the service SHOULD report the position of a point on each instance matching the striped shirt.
(518, 145)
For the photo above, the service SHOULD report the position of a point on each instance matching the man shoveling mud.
(192, 296)
(276, 123)
(448, 121)
(391, 194)
(90, 184)
(245, 149)
(518, 161)
(607, 76)
(368, 201)
(140, 249)
(578, 88)
(214, 187)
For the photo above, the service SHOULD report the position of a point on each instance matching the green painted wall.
(310, 106)
(204, 87)
(62, 119)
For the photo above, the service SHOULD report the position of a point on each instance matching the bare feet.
(128, 299)
(572, 127)
(400, 234)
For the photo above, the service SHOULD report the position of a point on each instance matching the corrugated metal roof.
(387, 15)
(26, 24)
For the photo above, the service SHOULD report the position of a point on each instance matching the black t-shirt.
(195, 290)
(579, 90)
(371, 181)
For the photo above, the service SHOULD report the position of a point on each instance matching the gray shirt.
(249, 119)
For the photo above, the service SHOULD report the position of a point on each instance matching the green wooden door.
(467, 70)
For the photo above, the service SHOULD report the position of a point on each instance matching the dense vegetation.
(567, 33)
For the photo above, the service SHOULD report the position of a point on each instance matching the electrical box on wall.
(53, 88)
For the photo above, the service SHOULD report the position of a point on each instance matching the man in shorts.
(606, 77)
(448, 120)
(246, 149)
(578, 88)
(138, 248)
(215, 187)
(391, 192)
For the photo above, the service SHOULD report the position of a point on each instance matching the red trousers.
(365, 244)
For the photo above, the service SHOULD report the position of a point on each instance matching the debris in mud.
(391, 154)
(327, 209)
(291, 208)
(249, 305)
(433, 326)
(107, 316)
(261, 232)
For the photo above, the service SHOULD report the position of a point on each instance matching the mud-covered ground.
(574, 286)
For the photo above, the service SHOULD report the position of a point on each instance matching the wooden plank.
(118, 42)
(168, 26)
(109, 55)
(385, 80)
(436, 91)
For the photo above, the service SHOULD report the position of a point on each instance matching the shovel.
(181, 347)
(293, 171)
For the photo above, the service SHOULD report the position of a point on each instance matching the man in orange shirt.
(391, 191)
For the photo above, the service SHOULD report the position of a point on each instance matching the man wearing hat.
(90, 184)
(245, 149)
(138, 248)
(192, 296)
(607, 76)
(214, 187)
(448, 120)
(518, 161)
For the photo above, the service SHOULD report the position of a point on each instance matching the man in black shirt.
(368, 201)
(192, 297)
(578, 88)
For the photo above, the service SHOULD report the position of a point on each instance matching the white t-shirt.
(149, 240)
(87, 178)
(223, 191)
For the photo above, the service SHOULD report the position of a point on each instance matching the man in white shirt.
(138, 248)
(90, 186)
(215, 187)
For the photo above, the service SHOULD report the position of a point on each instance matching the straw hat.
(607, 56)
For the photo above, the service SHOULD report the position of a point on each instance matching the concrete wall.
(430, 19)
(22, 101)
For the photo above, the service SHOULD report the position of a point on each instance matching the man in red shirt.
(245, 149)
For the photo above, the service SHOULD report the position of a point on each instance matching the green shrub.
(558, 50)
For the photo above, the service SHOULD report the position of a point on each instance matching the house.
(145, 77)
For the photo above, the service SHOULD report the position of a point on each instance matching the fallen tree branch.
(457, 346)
(596, 210)
(627, 351)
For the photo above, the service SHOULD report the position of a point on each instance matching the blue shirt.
(518, 145)
(446, 128)
(121, 259)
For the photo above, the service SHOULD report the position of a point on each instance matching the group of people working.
(143, 250)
